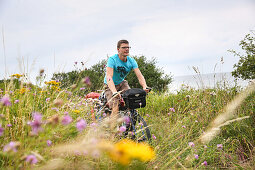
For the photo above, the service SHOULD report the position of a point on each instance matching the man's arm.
(110, 83)
(140, 78)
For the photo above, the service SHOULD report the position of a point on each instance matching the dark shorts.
(123, 86)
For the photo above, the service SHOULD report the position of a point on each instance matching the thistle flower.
(49, 143)
(126, 119)
(36, 123)
(204, 163)
(6, 100)
(172, 109)
(196, 156)
(81, 124)
(82, 88)
(1, 130)
(12, 146)
(31, 159)
(47, 99)
(86, 81)
(219, 146)
(122, 129)
(16, 101)
(67, 120)
(9, 125)
(154, 137)
(191, 144)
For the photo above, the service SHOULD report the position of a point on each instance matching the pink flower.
(154, 137)
(47, 99)
(191, 144)
(9, 125)
(122, 129)
(16, 101)
(196, 156)
(49, 143)
(104, 114)
(87, 81)
(36, 123)
(204, 163)
(1, 130)
(126, 119)
(219, 146)
(67, 120)
(75, 62)
(6, 100)
(31, 159)
(82, 88)
(147, 115)
(184, 126)
(172, 109)
(12, 146)
(81, 124)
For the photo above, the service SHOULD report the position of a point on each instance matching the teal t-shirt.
(120, 68)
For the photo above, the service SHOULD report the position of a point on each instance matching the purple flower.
(75, 62)
(204, 163)
(122, 129)
(82, 88)
(104, 114)
(126, 119)
(49, 143)
(9, 125)
(12, 146)
(219, 146)
(81, 124)
(196, 156)
(47, 99)
(1, 130)
(54, 108)
(147, 115)
(31, 159)
(172, 109)
(16, 101)
(6, 101)
(36, 123)
(154, 137)
(67, 120)
(191, 144)
(184, 126)
(87, 81)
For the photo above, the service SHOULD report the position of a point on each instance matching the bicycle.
(136, 128)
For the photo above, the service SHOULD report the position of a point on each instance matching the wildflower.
(31, 159)
(126, 150)
(67, 120)
(154, 137)
(204, 163)
(196, 156)
(17, 75)
(122, 129)
(126, 119)
(172, 109)
(47, 99)
(183, 126)
(9, 125)
(205, 146)
(104, 114)
(82, 88)
(16, 101)
(169, 114)
(86, 81)
(81, 124)
(213, 93)
(54, 108)
(147, 115)
(49, 143)
(191, 144)
(58, 102)
(12, 146)
(219, 146)
(36, 123)
(22, 90)
(6, 100)
(196, 121)
(75, 62)
(1, 130)
(77, 111)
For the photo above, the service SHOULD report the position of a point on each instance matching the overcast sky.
(53, 34)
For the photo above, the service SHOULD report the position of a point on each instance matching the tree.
(154, 76)
(245, 68)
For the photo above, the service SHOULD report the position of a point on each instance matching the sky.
(180, 34)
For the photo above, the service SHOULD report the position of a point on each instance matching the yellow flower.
(17, 75)
(77, 111)
(22, 90)
(126, 150)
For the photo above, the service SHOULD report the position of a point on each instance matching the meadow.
(53, 128)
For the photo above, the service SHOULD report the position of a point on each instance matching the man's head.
(123, 48)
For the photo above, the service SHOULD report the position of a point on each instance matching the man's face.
(123, 50)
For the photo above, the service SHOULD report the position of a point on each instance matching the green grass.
(194, 113)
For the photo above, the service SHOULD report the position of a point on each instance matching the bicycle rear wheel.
(138, 128)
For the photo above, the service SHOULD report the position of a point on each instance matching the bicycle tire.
(138, 127)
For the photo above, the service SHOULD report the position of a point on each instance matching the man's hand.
(147, 89)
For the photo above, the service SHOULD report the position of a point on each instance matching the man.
(118, 67)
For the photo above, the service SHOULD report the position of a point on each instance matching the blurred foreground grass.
(53, 128)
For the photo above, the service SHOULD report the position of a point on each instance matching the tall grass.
(180, 124)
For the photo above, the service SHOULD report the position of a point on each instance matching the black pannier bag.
(135, 98)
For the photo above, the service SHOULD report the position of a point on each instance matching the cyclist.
(118, 67)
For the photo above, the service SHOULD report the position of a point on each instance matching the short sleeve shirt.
(120, 68)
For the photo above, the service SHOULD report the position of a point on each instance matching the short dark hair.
(122, 42)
